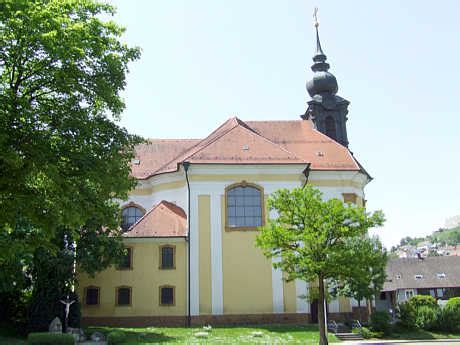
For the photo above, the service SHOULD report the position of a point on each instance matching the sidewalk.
(402, 341)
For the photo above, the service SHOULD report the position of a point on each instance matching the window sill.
(243, 228)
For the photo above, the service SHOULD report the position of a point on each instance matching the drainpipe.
(186, 165)
(306, 172)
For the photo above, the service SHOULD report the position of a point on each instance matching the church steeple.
(327, 110)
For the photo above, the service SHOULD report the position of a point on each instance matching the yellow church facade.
(190, 224)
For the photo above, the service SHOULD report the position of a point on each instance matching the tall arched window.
(129, 216)
(331, 131)
(244, 206)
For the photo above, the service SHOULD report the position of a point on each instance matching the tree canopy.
(312, 238)
(63, 157)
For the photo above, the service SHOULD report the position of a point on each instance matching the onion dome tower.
(327, 110)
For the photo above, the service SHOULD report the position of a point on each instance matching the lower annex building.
(190, 224)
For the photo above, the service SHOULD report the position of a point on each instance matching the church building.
(191, 222)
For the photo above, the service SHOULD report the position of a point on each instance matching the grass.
(420, 334)
(271, 334)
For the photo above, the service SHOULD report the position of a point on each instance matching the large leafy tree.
(369, 260)
(311, 237)
(64, 159)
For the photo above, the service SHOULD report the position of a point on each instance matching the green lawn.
(223, 335)
(421, 334)
(272, 334)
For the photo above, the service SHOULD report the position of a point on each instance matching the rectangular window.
(123, 296)
(126, 261)
(92, 296)
(167, 257)
(167, 295)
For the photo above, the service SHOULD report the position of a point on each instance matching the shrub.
(420, 311)
(50, 339)
(406, 313)
(451, 315)
(380, 322)
(427, 317)
(423, 300)
(116, 338)
(366, 333)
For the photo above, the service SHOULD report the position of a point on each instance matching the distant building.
(437, 276)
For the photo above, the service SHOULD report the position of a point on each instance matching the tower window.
(331, 131)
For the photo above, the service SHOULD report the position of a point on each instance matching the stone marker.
(55, 326)
(97, 336)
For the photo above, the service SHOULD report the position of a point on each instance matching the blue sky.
(397, 62)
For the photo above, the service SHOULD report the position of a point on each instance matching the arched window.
(244, 206)
(330, 128)
(129, 216)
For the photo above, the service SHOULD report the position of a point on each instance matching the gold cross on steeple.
(315, 15)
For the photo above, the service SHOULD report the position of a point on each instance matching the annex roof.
(164, 220)
(251, 142)
(431, 272)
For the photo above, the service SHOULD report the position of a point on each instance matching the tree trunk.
(369, 309)
(321, 313)
(359, 311)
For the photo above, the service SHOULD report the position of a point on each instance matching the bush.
(407, 314)
(380, 322)
(367, 333)
(116, 338)
(427, 318)
(418, 301)
(50, 339)
(420, 311)
(451, 315)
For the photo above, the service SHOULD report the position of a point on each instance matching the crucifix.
(67, 304)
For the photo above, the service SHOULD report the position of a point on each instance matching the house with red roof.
(190, 224)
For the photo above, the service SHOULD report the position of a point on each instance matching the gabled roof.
(164, 220)
(251, 142)
(401, 273)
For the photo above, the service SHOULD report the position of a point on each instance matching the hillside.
(439, 238)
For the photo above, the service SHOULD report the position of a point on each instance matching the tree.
(311, 238)
(64, 160)
(369, 262)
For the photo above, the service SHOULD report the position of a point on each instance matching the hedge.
(116, 338)
(43, 338)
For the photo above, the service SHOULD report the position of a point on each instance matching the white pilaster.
(302, 305)
(216, 255)
(277, 288)
(194, 256)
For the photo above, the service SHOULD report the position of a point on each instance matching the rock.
(77, 333)
(257, 334)
(55, 326)
(97, 336)
(201, 334)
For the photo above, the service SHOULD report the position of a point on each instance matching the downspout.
(306, 172)
(186, 165)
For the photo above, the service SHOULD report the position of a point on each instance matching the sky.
(397, 62)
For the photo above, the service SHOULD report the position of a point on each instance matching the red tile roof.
(164, 220)
(251, 142)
